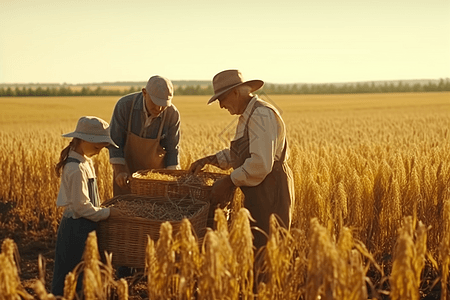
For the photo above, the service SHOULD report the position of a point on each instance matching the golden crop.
(372, 185)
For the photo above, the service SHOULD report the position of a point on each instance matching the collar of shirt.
(243, 118)
(148, 116)
(78, 156)
(84, 160)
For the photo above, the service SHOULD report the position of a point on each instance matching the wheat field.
(372, 212)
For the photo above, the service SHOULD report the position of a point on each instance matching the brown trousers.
(275, 195)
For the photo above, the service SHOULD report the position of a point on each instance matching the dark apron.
(141, 153)
(70, 241)
(274, 195)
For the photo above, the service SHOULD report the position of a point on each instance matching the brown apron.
(141, 153)
(274, 195)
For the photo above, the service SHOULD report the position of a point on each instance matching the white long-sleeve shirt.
(267, 134)
(74, 192)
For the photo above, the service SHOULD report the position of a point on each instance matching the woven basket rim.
(170, 172)
(130, 197)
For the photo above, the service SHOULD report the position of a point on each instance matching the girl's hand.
(114, 212)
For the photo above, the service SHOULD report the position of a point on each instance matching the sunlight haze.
(46, 41)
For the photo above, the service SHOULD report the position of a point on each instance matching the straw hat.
(229, 79)
(93, 130)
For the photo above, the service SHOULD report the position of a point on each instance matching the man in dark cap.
(146, 127)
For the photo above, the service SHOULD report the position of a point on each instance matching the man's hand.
(122, 175)
(198, 165)
(122, 179)
(221, 192)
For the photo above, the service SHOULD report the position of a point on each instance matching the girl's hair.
(65, 154)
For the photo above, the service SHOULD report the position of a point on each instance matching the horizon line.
(209, 81)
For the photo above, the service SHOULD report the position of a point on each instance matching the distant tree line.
(194, 90)
(63, 91)
(349, 88)
(358, 88)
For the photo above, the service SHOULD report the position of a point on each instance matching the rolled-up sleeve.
(78, 196)
(263, 136)
(172, 140)
(118, 131)
(224, 159)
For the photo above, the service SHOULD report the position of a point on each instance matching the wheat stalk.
(10, 286)
(409, 260)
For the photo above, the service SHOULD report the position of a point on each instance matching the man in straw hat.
(146, 127)
(258, 154)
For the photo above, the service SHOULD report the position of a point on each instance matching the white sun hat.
(93, 130)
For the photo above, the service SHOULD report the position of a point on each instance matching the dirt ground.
(31, 244)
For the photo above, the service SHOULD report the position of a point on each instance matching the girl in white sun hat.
(78, 194)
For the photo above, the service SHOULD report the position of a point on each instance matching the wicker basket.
(165, 188)
(126, 237)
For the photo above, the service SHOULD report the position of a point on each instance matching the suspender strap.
(255, 106)
(72, 159)
(161, 126)
(92, 184)
(283, 154)
(131, 114)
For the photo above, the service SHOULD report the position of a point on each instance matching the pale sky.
(311, 41)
